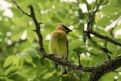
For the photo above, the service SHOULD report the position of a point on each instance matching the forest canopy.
(94, 43)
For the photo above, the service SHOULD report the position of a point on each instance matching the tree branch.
(79, 63)
(68, 64)
(104, 37)
(106, 67)
(20, 8)
(38, 31)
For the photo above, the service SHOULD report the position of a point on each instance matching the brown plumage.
(58, 45)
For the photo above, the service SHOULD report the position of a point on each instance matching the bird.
(58, 44)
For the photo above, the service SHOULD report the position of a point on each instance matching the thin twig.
(104, 49)
(88, 9)
(20, 8)
(79, 59)
(107, 51)
(104, 37)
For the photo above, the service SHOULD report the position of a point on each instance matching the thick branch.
(38, 31)
(106, 67)
(68, 64)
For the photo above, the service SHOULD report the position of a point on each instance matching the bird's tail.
(63, 69)
(56, 65)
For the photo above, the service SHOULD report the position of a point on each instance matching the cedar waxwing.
(58, 44)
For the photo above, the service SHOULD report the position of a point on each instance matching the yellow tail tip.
(65, 75)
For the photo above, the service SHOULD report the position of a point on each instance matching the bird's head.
(63, 28)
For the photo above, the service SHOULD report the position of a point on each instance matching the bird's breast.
(60, 35)
(58, 45)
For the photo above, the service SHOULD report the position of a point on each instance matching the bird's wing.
(67, 48)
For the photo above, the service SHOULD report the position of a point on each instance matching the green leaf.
(109, 76)
(110, 9)
(11, 70)
(19, 21)
(75, 44)
(18, 61)
(103, 21)
(9, 60)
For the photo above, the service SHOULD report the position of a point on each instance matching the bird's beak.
(68, 30)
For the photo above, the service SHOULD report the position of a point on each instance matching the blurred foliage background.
(20, 59)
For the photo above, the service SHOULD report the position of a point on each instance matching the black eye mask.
(67, 29)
